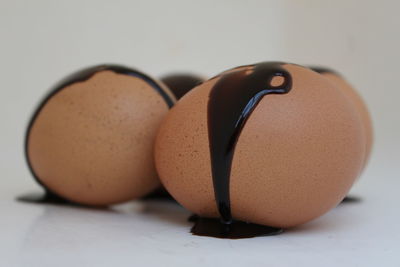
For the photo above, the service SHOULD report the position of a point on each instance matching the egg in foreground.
(295, 158)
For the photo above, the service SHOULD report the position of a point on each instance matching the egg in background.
(356, 99)
(91, 140)
(181, 83)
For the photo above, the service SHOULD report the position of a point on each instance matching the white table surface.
(156, 233)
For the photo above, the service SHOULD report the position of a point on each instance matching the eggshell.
(91, 142)
(360, 106)
(296, 157)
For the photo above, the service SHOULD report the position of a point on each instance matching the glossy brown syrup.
(231, 101)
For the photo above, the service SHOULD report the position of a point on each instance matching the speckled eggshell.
(296, 158)
(360, 106)
(92, 141)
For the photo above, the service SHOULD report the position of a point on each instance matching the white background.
(42, 41)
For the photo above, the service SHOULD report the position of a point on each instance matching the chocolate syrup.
(180, 84)
(322, 70)
(351, 199)
(236, 230)
(231, 102)
(80, 76)
(46, 197)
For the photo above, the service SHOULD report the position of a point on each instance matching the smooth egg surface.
(360, 106)
(91, 141)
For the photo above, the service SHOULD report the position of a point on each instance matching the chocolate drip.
(322, 70)
(231, 102)
(76, 77)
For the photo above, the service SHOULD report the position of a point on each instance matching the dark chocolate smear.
(351, 199)
(323, 70)
(47, 197)
(236, 230)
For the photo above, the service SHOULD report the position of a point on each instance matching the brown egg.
(181, 83)
(91, 140)
(295, 158)
(358, 103)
